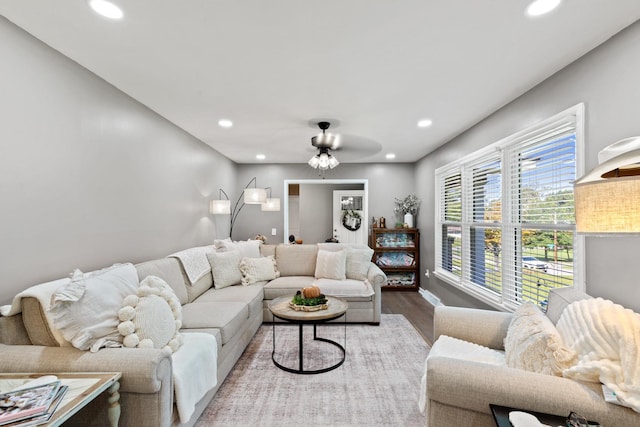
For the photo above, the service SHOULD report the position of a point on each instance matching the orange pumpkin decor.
(311, 292)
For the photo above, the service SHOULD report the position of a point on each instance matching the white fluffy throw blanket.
(606, 337)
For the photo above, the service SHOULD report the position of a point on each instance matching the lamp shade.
(607, 199)
(218, 207)
(271, 205)
(255, 196)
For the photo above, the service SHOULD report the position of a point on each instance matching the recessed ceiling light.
(260, 156)
(425, 123)
(390, 156)
(106, 9)
(540, 7)
(224, 123)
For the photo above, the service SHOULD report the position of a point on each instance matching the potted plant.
(406, 208)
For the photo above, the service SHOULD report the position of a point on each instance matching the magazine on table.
(30, 401)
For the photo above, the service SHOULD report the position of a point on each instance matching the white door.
(350, 216)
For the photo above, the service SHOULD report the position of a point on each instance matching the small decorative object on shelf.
(397, 253)
(406, 209)
(309, 299)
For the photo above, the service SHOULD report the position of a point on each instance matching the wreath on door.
(351, 220)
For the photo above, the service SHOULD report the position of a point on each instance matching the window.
(505, 215)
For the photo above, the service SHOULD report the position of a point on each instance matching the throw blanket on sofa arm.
(194, 261)
(606, 337)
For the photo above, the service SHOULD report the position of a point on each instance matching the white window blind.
(506, 231)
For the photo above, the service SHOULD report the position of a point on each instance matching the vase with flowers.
(407, 208)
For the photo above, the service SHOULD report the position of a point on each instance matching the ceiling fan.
(324, 142)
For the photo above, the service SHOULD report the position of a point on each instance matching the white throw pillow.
(358, 262)
(247, 249)
(85, 310)
(331, 265)
(152, 317)
(534, 344)
(258, 269)
(225, 267)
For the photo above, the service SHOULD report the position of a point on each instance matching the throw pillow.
(534, 344)
(247, 249)
(258, 269)
(152, 317)
(331, 265)
(225, 267)
(85, 310)
(358, 262)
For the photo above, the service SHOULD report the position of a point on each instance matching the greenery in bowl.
(298, 299)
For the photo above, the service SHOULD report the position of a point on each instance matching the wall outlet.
(426, 272)
(273, 231)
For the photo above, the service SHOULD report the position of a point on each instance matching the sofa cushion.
(247, 249)
(296, 260)
(225, 267)
(168, 269)
(345, 288)
(286, 285)
(228, 316)
(534, 344)
(331, 265)
(266, 250)
(251, 295)
(560, 298)
(85, 310)
(258, 269)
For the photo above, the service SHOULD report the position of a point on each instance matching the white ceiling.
(276, 67)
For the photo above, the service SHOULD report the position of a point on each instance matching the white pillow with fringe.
(85, 311)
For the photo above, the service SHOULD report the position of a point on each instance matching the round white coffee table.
(280, 309)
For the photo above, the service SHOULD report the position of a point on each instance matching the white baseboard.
(433, 300)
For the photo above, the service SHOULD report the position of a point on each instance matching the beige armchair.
(458, 392)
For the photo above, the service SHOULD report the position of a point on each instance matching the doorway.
(310, 212)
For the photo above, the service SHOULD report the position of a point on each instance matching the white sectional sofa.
(231, 314)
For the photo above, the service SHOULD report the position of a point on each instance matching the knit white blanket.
(606, 337)
(195, 261)
(195, 371)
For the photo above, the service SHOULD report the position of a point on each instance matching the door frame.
(365, 187)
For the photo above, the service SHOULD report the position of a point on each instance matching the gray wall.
(88, 176)
(386, 181)
(607, 81)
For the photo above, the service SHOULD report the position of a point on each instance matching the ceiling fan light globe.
(333, 162)
(314, 162)
(323, 161)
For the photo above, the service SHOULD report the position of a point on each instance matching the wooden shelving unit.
(397, 253)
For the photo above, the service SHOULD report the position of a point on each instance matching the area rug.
(378, 384)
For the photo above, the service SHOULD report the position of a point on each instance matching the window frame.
(501, 150)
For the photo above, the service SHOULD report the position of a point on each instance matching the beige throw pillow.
(358, 262)
(331, 265)
(534, 344)
(225, 267)
(152, 317)
(258, 269)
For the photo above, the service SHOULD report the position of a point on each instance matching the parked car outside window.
(534, 263)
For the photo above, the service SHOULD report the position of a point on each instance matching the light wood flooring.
(414, 307)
